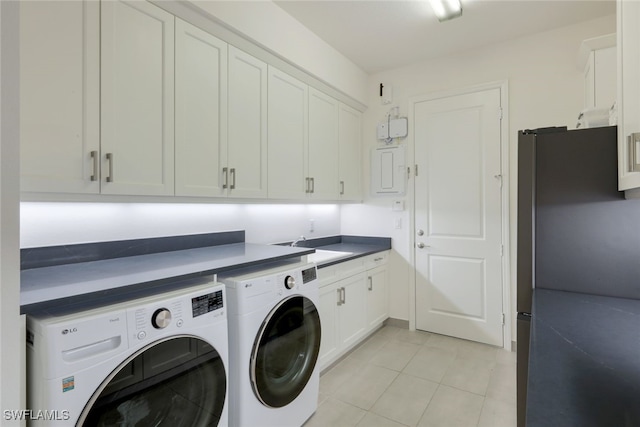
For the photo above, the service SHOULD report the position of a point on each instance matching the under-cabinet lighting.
(446, 9)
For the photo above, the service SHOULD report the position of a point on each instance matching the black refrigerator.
(576, 231)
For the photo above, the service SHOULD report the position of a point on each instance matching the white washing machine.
(154, 361)
(274, 341)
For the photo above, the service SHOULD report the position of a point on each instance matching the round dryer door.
(285, 351)
(178, 382)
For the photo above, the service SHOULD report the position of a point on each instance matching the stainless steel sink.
(322, 255)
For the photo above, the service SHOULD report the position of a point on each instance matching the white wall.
(12, 328)
(49, 224)
(545, 89)
(273, 28)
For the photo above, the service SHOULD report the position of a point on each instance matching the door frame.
(505, 199)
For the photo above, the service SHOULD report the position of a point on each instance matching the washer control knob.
(179, 323)
(289, 282)
(161, 318)
(142, 335)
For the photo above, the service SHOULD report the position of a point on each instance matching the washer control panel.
(149, 321)
(309, 274)
(206, 303)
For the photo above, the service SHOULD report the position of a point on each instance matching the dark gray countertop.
(584, 361)
(44, 284)
(63, 275)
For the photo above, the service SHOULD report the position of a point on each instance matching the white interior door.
(458, 216)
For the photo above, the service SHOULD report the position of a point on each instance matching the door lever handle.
(422, 245)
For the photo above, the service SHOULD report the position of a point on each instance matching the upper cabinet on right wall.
(628, 43)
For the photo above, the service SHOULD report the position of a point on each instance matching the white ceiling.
(382, 34)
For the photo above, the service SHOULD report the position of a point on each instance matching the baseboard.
(397, 323)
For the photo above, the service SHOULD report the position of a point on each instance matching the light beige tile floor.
(402, 378)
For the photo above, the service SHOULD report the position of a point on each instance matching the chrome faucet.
(300, 239)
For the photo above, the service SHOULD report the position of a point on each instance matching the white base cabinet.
(353, 303)
(377, 296)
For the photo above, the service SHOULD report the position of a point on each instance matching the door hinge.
(503, 318)
(499, 113)
(415, 173)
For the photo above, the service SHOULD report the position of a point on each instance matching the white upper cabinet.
(137, 98)
(120, 97)
(323, 146)
(350, 157)
(247, 152)
(628, 43)
(59, 96)
(598, 60)
(201, 113)
(288, 133)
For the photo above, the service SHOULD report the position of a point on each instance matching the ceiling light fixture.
(446, 9)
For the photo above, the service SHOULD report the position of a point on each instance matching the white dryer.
(274, 341)
(155, 361)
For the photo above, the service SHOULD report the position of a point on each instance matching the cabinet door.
(59, 96)
(247, 125)
(137, 98)
(323, 146)
(352, 312)
(328, 307)
(288, 117)
(604, 63)
(628, 45)
(201, 112)
(589, 82)
(350, 158)
(377, 296)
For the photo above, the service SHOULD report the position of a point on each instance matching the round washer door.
(178, 382)
(285, 351)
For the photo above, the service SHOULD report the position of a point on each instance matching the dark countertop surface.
(584, 361)
(62, 275)
(43, 284)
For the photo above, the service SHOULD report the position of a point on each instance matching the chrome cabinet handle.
(313, 185)
(233, 179)
(110, 160)
(378, 259)
(307, 185)
(94, 157)
(370, 283)
(341, 188)
(344, 295)
(339, 296)
(225, 175)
